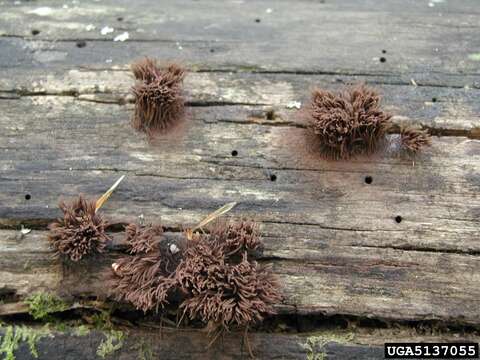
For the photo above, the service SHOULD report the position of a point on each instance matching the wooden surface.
(332, 238)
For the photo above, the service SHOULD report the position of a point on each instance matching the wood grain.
(403, 249)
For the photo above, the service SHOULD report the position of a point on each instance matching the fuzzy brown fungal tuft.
(159, 102)
(223, 286)
(146, 279)
(142, 280)
(413, 140)
(214, 279)
(347, 123)
(236, 235)
(143, 239)
(81, 231)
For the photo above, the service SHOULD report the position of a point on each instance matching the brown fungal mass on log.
(236, 235)
(413, 140)
(348, 123)
(145, 279)
(223, 288)
(215, 277)
(159, 102)
(143, 238)
(80, 232)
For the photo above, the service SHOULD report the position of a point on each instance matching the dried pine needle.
(107, 194)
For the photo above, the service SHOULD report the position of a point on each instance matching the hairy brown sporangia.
(145, 279)
(214, 277)
(222, 284)
(236, 235)
(413, 140)
(143, 239)
(80, 232)
(159, 102)
(347, 123)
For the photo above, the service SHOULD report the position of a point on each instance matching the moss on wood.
(42, 304)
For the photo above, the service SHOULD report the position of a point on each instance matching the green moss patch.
(42, 304)
(112, 342)
(15, 335)
(315, 343)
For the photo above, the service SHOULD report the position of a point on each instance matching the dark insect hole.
(273, 177)
(81, 44)
(368, 179)
(382, 59)
(398, 219)
(234, 153)
(270, 115)
(28, 197)
(35, 32)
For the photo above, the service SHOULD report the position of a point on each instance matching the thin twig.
(107, 194)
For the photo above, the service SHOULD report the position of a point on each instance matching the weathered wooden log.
(389, 238)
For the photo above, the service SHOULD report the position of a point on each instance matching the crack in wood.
(419, 248)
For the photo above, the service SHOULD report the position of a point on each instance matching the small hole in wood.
(28, 197)
(273, 177)
(398, 219)
(81, 44)
(384, 51)
(257, 20)
(234, 153)
(35, 32)
(368, 179)
(119, 18)
(8, 295)
(434, 99)
(270, 114)
(382, 59)
(212, 50)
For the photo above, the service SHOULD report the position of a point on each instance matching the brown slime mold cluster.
(413, 140)
(145, 279)
(81, 231)
(158, 95)
(348, 123)
(213, 277)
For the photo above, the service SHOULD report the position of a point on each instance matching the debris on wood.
(214, 215)
(106, 30)
(294, 105)
(107, 194)
(122, 37)
(348, 123)
(159, 102)
(24, 230)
